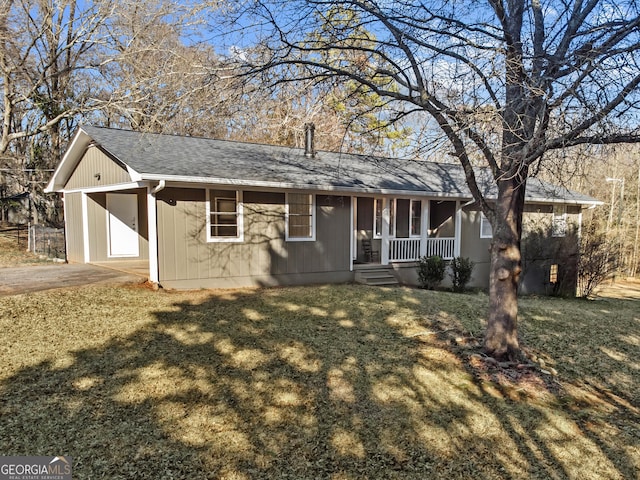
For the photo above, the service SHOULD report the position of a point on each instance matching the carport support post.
(152, 227)
(85, 228)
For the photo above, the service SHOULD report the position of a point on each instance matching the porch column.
(384, 248)
(424, 227)
(458, 230)
(152, 231)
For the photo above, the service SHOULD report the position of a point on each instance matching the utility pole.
(634, 264)
(610, 219)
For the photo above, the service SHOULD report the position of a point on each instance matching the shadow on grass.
(595, 345)
(319, 382)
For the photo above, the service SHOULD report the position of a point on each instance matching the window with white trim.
(377, 217)
(416, 218)
(224, 216)
(553, 273)
(486, 231)
(559, 227)
(378, 207)
(300, 216)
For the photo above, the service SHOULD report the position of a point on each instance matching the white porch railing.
(445, 247)
(408, 249)
(404, 249)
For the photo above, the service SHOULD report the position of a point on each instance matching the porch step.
(378, 276)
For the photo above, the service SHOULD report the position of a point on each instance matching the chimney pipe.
(309, 129)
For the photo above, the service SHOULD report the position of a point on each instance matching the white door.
(123, 225)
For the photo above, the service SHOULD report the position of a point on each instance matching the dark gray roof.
(169, 157)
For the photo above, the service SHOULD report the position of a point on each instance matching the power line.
(27, 170)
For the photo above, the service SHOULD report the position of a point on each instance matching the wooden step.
(379, 276)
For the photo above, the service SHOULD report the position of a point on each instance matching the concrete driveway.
(16, 280)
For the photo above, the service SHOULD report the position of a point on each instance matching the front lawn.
(333, 382)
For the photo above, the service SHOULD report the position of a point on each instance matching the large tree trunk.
(501, 336)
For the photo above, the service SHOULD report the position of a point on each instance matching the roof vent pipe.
(309, 129)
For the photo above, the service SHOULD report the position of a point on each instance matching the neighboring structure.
(204, 213)
(16, 209)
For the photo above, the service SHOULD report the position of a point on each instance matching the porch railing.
(445, 247)
(408, 249)
(404, 249)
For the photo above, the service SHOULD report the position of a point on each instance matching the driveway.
(16, 280)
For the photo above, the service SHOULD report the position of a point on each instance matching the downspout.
(158, 188)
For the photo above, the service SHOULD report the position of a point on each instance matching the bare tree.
(504, 82)
(345, 119)
(47, 53)
(610, 173)
(47, 49)
(57, 64)
(159, 78)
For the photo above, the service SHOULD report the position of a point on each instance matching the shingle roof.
(169, 157)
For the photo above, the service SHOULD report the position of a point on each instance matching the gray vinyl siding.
(97, 227)
(143, 225)
(539, 253)
(96, 169)
(73, 233)
(475, 248)
(534, 278)
(186, 259)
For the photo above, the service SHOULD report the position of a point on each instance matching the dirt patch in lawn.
(622, 288)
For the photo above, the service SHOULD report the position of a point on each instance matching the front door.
(123, 225)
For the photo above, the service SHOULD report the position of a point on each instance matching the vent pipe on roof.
(309, 129)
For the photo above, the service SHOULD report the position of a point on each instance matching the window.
(224, 215)
(553, 273)
(416, 217)
(377, 221)
(486, 231)
(559, 227)
(300, 221)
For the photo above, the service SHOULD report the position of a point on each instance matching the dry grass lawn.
(13, 251)
(335, 382)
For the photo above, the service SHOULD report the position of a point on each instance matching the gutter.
(272, 185)
(336, 189)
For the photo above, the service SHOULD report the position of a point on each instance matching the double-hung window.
(377, 217)
(300, 216)
(486, 231)
(416, 218)
(559, 227)
(224, 216)
(378, 205)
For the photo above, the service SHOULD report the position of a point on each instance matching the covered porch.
(392, 230)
